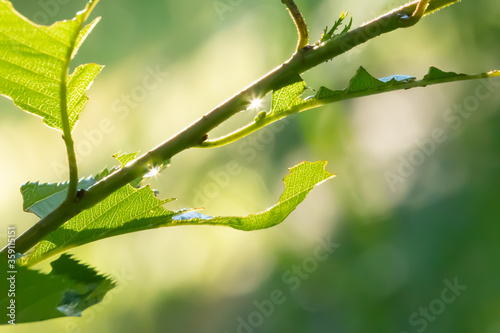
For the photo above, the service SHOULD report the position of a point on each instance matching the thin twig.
(300, 23)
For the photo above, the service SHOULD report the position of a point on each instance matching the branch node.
(204, 138)
(79, 195)
(408, 21)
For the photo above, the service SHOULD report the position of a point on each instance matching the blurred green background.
(399, 246)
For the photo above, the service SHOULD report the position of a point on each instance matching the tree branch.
(196, 133)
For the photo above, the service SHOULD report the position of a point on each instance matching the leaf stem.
(300, 23)
(241, 132)
(63, 96)
(195, 134)
(68, 139)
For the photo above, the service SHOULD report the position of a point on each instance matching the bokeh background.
(398, 245)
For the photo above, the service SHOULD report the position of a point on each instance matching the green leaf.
(363, 81)
(124, 159)
(92, 287)
(33, 61)
(330, 34)
(288, 96)
(436, 74)
(301, 180)
(67, 290)
(126, 210)
(364, 84)
(130, 210)
(439, 4)
(43, 198)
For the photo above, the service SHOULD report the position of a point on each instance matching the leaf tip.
(84, 14)
(493, 73)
